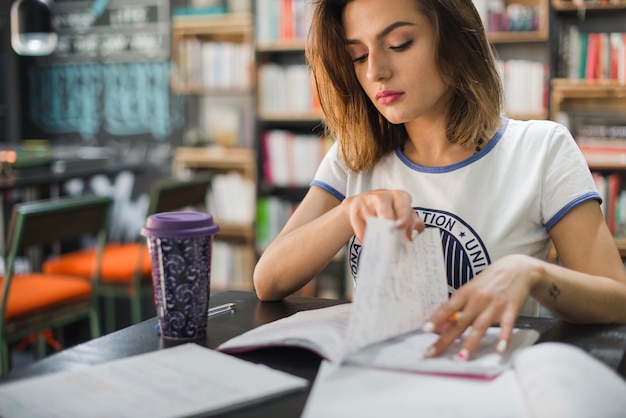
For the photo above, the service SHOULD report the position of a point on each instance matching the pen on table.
(222, 308)
(227, 307)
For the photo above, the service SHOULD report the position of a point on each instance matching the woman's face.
(393, 49)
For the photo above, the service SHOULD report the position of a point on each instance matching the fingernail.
(430, 351)
(463, 354)
(414, 234)
(428, 327)
(502, 345)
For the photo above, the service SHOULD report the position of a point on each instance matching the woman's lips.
(387, 96)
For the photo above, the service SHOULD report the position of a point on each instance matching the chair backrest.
(49, 221)
(170, 195)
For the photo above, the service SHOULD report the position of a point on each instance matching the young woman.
(411, 92)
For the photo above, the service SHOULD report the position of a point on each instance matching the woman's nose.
(378, 67)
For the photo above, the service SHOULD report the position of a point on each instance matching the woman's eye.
(402, 47)
(360, 59)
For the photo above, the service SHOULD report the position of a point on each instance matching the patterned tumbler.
(180, 245)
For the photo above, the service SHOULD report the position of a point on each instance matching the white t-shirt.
(502, 200)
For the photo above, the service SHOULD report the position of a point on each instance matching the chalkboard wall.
(107, 83)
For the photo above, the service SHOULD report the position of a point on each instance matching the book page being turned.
(399, 283)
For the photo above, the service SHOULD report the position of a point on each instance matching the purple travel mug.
(180, 245)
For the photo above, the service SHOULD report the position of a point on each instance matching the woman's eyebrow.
(383, 32)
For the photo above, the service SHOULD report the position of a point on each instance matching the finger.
(416, 226)
(475, 335)
(507, 324)
(445, 312)
(358, 226)
(449, 333)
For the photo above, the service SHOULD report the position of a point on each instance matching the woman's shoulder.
(538, 132)
(535, 125)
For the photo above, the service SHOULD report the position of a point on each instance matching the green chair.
(34, 302)
(126, 269)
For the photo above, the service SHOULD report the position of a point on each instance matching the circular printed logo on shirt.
(464, 253)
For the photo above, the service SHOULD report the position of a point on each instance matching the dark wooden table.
(605, 342)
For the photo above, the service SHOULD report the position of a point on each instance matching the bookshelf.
(213, 68)
(234, 254)
(519, 31)
(588, 93)
(290, 140)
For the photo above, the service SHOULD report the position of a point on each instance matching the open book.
(183, 381)
(400, 283)
(323, 331)
(547, 380)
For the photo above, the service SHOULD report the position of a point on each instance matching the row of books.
(272, 215)
(613, 201)
(231, 198)
(594, 55)
(286, 89)
(281, 20)
(214, 65)
(228, 266)
(291, 159)
(525, 86)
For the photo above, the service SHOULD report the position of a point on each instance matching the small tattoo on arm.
(554, 292)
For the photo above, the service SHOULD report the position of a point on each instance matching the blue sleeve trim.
(329, 189)
(571, 205)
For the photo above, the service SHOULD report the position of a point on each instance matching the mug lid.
(183, 224)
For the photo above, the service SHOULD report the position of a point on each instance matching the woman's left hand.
(495, 296)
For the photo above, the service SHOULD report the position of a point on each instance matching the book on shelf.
(593, 55)
(613, 200)
(231, 198)
(231, 266)
(281, 20)
(400, 284)
(272, 215)
(214, 65)
(525, 85)
(291, 159)
(286, 89)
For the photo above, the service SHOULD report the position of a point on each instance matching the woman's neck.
(428, 145)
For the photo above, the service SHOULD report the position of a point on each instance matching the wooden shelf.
(289, 117)
(605, 161)
(517, 37)
(295, 45)
(528, 116)
(563, 5)
(234, 231)
(219, 159)
(227, 24)
(586, 95)
(186, 89)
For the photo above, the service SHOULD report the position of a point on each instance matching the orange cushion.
(119, 263)
(33, 292)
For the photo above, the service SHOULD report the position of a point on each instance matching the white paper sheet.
(400, 283)
(183, 381)
(345, 391)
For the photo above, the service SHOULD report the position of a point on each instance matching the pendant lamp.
(31, 28)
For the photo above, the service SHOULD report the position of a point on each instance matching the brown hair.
(466, 63)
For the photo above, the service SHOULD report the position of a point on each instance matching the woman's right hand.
(385, 204)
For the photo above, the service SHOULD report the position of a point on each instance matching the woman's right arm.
(314, 234)
(318, 229)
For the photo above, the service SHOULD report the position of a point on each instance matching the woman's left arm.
(588, 285)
